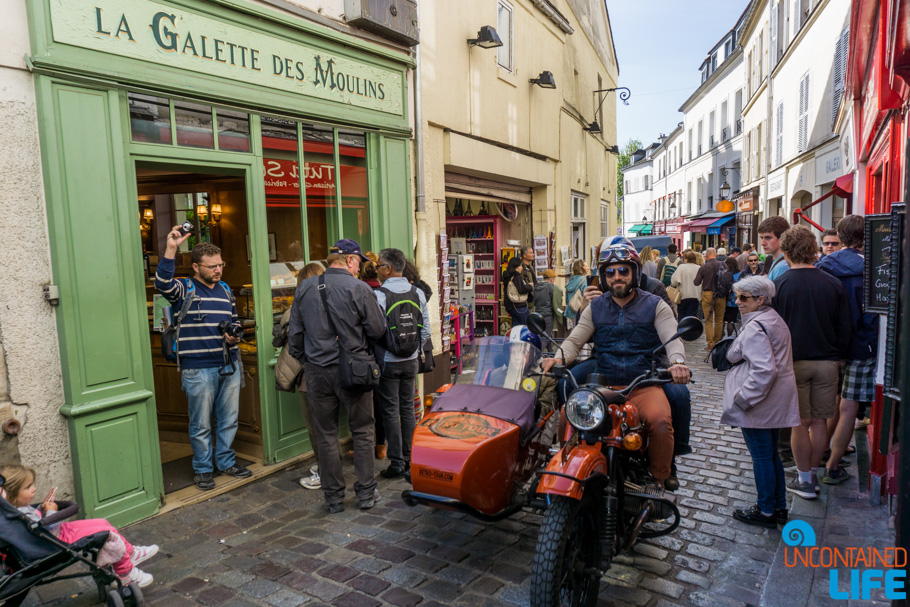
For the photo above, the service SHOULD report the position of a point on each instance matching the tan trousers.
(654, 410)
(714, 317)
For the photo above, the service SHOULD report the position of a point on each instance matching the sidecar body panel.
(469, 447)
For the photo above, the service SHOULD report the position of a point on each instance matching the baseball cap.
(346, 246)
(736, 250)
(549, 274)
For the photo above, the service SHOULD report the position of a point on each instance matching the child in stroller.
(35, 545)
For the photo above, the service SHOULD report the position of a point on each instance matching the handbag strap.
(325, 304)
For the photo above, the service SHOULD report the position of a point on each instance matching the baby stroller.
(30, 556)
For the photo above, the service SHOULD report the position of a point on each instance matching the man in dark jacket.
(713, 307)
(859, 373)
(312, 340)
(543, 303)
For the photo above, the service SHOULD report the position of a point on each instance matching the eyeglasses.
(623, 271)
(741, 297)
(384, 265)
(830, 243)
(753, 261)
(212, 267)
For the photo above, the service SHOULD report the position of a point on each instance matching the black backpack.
(718, 354)
(724, 285)
(404, 321)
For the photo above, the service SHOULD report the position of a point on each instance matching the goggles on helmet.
(615, 254)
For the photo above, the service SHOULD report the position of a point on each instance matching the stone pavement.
(270, 543)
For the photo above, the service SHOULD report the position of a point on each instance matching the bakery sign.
(180, 38)
(282, 178)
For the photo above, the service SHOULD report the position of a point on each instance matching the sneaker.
(804, 490)
(314, 469)
(835, 477)
(393, 471)
(311, 482)
(140, 577)
(370, 501)
(237, 471)
(815, 481)
(335, 508)
(753, 516)
(143, 553)
(781, 516)
(204, 481)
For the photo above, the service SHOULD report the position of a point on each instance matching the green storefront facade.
(302, 95)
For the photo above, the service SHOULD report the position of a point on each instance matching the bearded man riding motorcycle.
(627, 325)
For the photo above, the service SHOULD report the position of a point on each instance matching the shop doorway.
(216, 204)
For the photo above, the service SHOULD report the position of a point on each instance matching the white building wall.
(637, 193)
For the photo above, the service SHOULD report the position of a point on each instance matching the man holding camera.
(207, 351)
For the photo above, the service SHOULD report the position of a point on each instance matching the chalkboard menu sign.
(877, 273)
(892, 351)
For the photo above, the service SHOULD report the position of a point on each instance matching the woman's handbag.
(718, 353)
(426, 362)
(674, 294)
(287, 371)
(357, 371)
(514, 296)
(577, 301)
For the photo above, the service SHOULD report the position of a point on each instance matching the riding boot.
(672, 483)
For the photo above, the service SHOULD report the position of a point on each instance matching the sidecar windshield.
(497, 361)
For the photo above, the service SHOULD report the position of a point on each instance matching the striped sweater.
(200, 341)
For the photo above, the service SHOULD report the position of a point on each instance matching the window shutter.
(763, 143)
(747, 151)
(756, 171)
(774, 8)
(838, 79)
(796, 16)
(803, 126)
(779, 135)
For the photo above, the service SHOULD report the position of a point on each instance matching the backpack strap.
(188, 300)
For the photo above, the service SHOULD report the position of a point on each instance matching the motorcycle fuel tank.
(466, 456)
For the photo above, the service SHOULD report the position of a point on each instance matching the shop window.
(319, 177)
(504, 29)
(194, 125)
(233, 130)
(579, 223)
(355, 200)
(150, 119)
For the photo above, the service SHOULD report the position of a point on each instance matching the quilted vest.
(624, 338)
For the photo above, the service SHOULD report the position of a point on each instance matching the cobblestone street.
(271, 543)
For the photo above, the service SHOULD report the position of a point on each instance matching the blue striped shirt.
(200, 340)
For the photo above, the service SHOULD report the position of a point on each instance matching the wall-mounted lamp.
(544, 81)
(216, 212)
(624, 95)
(613, 149)
(145, 218)
(202, 212)
(486, 38)
(592, 128)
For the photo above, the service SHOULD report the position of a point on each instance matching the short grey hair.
(756, 286)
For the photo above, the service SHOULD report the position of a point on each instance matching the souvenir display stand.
(476, 238)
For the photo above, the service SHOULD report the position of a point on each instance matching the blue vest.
(624, 338)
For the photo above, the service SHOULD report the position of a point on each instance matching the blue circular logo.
(799, 533)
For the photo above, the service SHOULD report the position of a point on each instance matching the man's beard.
(621, 290)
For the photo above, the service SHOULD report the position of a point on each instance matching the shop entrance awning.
(699, 225)
(638, 227)
(842, 188)
(646, 229)
(715, 227)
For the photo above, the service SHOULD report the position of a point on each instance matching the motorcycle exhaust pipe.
(639, 523)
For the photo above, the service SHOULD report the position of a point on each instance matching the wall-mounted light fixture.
(544, 81)
(624, 95)
(216, 212)
(486, 38)
(592, 128)
(145, 218)
(613, 149)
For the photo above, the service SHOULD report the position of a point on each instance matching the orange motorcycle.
(600, 496)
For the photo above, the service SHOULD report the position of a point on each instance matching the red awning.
(699, 225)
(844, 183)
(843, 187)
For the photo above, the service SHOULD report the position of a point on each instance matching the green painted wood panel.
(390, 193)
(101, 319)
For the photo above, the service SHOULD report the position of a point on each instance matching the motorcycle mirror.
(690, 328)
(536, 324)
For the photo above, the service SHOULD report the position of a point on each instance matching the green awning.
(646, 229)
(638, 227)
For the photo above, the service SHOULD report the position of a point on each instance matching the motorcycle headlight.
(585, 409)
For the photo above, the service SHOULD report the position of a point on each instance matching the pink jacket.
(761, 392)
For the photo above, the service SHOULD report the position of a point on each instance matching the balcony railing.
(739, 127)
(699, 149)
(724, 134)
(711, 142)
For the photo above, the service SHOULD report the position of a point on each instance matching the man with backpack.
(407, 328)
(712, 301)
(666, 266)
(202, 305)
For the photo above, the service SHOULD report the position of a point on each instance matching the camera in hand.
(232, 330)
(186, 228)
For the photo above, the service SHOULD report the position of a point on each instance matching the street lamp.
(624, 95)
(486, 38)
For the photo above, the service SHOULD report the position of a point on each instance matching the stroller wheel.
(114, 599)
(133, 595)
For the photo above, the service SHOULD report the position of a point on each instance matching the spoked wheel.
(565, 569)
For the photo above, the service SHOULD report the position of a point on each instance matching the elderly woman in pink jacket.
(760, 396)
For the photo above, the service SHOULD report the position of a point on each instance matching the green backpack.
(669, 269)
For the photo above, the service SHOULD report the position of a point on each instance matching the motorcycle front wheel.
(565, 569)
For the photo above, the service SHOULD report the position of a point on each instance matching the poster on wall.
(540, 253)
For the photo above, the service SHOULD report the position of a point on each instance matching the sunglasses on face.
(742, 297)
(831, 244)
(622, 271)
(753, 261)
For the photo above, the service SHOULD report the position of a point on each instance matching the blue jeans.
(212, 396)
(767, 467)
(519, 316)
(677, 395)
(394, 397)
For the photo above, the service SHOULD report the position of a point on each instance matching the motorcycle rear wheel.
(564, 571)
